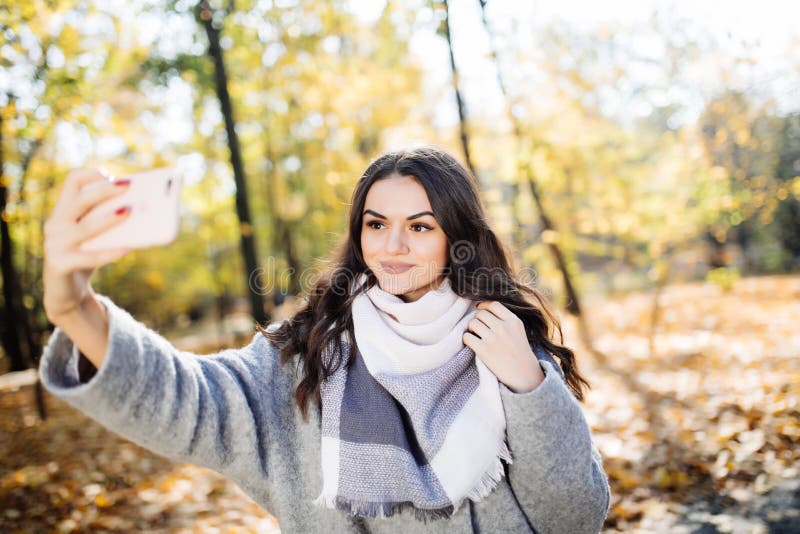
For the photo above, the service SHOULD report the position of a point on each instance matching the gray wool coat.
(234, 412)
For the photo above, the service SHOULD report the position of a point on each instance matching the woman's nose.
(395, 243)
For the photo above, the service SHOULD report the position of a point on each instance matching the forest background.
(642, 160)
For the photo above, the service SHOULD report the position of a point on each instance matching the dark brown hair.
(478, 269)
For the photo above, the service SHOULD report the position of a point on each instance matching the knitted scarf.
(417, 420)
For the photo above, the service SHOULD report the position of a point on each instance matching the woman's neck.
(416, 294)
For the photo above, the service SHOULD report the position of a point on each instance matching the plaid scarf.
(416, 421)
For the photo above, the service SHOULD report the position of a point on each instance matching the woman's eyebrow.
(415, 216)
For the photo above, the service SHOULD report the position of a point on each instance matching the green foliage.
(317, 94)
(724, 277)
(309, 85)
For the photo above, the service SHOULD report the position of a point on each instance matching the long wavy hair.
(479, 268)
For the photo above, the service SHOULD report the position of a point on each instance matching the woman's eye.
(418, 228)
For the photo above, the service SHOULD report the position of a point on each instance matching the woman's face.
(401, 241)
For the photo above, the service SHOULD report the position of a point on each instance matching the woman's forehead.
(398, 195)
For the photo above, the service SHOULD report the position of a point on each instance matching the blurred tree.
(316, 102)
(444, 30)
(525, 170)
(206, 17)
(743, 142)
(627, 180)
(37, 85)
(303, 139)
(41, 83)
(18, 341)
(786, 223)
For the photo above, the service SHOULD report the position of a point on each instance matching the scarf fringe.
(356, 508)
(493, 476)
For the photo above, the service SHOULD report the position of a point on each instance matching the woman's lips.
(396, 268)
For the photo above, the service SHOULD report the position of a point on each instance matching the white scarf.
(417, 420)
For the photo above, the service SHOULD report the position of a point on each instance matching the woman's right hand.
(67, 268)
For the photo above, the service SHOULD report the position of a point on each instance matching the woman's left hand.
(498, 338)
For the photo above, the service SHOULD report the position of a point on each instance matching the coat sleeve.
(208, 410)
(557, 473)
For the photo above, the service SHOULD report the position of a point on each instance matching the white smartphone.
(154, 219)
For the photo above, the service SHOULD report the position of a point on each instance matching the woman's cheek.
(367, 247)
(436, 252)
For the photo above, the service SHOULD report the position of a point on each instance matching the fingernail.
(121, 183)
(123, 209)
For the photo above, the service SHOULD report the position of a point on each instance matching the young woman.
(420, 382)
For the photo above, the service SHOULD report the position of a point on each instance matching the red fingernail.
(122, 210)
(122, 182)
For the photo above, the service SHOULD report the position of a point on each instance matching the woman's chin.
(403, 286)
(392, 284)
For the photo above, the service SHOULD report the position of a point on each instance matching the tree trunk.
(283, 239)
(573, 301)
(462, 114)
(516, 234)
(17, 339)
(286, 242)
(204, 16)
(573, 304)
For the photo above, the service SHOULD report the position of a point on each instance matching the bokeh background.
(641, 159)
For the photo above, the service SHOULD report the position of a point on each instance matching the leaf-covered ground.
(69, 474)
(700, 435)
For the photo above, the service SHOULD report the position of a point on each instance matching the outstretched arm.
(200, 409)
